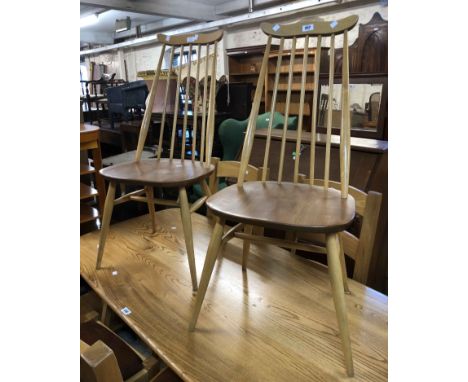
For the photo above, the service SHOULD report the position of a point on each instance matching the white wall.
(146, 57)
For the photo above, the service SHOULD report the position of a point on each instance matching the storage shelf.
(245, 74)
(293, 89)
(88, 213)
(87, 191)
(86, 169)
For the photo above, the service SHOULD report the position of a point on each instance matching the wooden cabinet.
(89, 140)
(244, 67)
(296, 81)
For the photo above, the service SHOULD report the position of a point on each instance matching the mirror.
(364, 100)
(367, 98)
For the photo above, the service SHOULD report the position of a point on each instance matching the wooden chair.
(229, 169)
(359, 248)
(292, 206)
(170, 172)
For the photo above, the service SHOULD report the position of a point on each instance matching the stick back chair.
(359, 248)
(179, 172)
(293, 206)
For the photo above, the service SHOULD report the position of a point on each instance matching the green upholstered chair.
(231, 134)
(278, 119)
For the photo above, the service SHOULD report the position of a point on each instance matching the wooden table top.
(276, 322)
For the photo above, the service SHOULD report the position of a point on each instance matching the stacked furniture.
(89, 141)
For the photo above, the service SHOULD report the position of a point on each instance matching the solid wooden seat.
(162, 172)
(293, 207)
(284, 206)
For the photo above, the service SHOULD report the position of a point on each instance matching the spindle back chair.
(293, 206)
(171, 170)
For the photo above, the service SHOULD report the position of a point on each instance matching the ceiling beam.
(241, 5)
(156, 26)
(96, 37)
(169, 8)
(248, 18)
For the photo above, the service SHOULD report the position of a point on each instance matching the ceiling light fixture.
(122, 25)
(88, 20)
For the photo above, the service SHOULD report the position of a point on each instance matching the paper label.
(126, 311)
(276, 27)
(192, 38)
(334, 23)
(115, 273)
(308, 27)
(168, 38)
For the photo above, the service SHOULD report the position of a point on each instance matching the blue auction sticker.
(334, 23)
(308, 27)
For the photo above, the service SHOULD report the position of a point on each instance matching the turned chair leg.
(335, 271)
(292, 236)
(210, 260)
(343, 266)
(106, 217)
(150, 200)
(246, 246)
(187, 225)
(207, 191)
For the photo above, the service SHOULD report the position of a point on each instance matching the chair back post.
(205, 91)
(149, 108)
(345, 133)
(250, 133)
(211, 108)
(163, 119)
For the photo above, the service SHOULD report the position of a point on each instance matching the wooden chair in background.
(230, 170)
(171, 172)
(293, 206)
(359, 248)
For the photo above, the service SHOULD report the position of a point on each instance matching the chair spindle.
(330, 111)
(301, 109)
(313, 130)
(286, 113)
(187, 91)
(163, 119)
(195, 104)
(176, 104)
(211, 107)
(205, 89)
(149, 109)
(345, 134)
(273, 105)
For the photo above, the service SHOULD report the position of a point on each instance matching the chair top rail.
(186, 39)
(309, 27)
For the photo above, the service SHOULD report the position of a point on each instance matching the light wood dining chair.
(293, 206)
(358, 247)
(171, 171)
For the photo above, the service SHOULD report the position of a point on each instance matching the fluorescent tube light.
(88, 20)
(122, 25)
